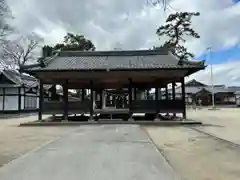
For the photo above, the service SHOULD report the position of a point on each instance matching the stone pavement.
(93, 153)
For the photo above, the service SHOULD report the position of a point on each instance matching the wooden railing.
(73, 107)
(138, 106)
(164, 106)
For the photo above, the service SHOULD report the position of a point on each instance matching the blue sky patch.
(236, 1)
(221, 56)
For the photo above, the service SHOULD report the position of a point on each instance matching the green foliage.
(71, 42)
(47, 51)
(177, 28)
(76, 42)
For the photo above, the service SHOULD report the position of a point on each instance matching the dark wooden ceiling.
(112, 79)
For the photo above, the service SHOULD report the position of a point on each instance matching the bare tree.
(162, 3)
(21, 50)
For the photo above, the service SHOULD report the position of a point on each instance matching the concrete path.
(93, 153)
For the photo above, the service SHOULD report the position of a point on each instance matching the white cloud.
(227, 73)
(131, 23)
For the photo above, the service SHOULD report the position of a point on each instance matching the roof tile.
(148, 59)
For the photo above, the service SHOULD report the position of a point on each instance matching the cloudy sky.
(132, 24)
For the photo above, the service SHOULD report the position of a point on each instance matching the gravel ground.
(16, 141)
(223, 123)
(203, 154)
(195, 156)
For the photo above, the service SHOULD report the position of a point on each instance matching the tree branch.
(19, 51)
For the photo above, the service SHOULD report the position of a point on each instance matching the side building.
(18, 92)
(195, 90)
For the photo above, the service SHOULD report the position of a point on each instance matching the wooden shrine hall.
(98, 71)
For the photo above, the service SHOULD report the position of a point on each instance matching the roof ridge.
(48, 60)
(113, 60)
(114, 53)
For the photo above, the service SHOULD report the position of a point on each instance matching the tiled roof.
(188, 90)
(20, 79)
(194, 83)
(194, 90)
(101, 60)
(234, 88)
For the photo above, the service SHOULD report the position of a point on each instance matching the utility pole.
(213, 100)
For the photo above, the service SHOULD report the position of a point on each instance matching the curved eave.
(194, 70)
(25, 68)
(193, 63)
(30, 71)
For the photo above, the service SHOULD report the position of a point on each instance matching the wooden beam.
(95, 76)
(116, 82)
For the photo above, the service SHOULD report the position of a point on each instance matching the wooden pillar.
(94, 98)
(173, 95)
(135, 93)
(91, 104)
(19, 99)
(65, 100)
(160, 93)
(147, 94)
(101, 99)
(183, 97)
(4, 94)
(53, 93)
(41, 99)
(173, 91)
(166, 92)
(95, 95)
(104, 99)
(91, 101)
(24, 95)
(82, 94)
(130, 98)
(156, 100)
